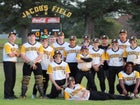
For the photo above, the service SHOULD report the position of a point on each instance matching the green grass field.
(59, 101)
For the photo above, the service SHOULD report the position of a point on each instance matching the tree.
(90, 10)
(12, 17)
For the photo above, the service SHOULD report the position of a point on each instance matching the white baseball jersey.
(47, 55)
(58, 70)
(129, 79)
(75, 93)
(97, 55)
(31, 50)
(124, 44)
(71, 53)
(115, 58)
(60, 47)
(84, 66)
(133, 55)
(8, 48)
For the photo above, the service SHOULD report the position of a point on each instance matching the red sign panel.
(46, 20)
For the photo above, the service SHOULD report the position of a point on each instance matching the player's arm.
(121, 82)
(53, 81)
(137, 82)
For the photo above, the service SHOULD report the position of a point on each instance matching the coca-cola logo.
(38, 20)
(53, 20)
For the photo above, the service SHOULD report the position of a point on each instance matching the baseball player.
(71, 52)
(78, 92)
(133, 53)
(45, 61)
(10, 54)
(115, 58)
(105, 45)
(98, 57)
(129, 81)
(31, 53)
(60, 44)
(123, 41)
(58, 71)
(84, 60)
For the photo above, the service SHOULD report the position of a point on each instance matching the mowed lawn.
(58, 101)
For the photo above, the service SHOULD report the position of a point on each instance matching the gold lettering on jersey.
(59, 68)
(59, 48)
(123, 46)
(129, 78)
(96, 55)
(14, 49)
(133, 53)
(31, 49)
(76, 91)
(115, 56)
(72, 51)
(47, 52)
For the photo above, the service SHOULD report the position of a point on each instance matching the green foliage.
(108, 26)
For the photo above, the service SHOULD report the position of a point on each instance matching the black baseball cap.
(104, 37)
(114, 41)
(11, 33)
(95, 40)
(123, 31)
(31, 33)
(60, 34)
(72, 38)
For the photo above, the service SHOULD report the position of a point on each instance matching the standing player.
(105, 45)
(86, 41)
(84, 60)
(52, 39)
(45, 61)
(10, 54)
(133, 53)
(31, 53)
(60, 44)
(98, 57)
(123, 41)
(58, 71)
(71, 52)
(115, 58)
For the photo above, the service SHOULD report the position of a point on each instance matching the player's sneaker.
(132, 95)
(33, 96)
(137, 96)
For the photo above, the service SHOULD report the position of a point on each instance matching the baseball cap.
(72, 38)
(95, 40)
(104, 37)
(31, 33)
(57, 52)
(84, 47)
(114, 41)
(133, 38)
(11, 33)
(71, 79)
(86, 37)
(60, 34)
(123, 31)
(44, 36)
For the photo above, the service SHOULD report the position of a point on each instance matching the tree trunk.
(89, 26)
(24, 33)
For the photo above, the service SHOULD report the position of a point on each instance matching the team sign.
(44, 8)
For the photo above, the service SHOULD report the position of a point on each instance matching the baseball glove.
(87, 59)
